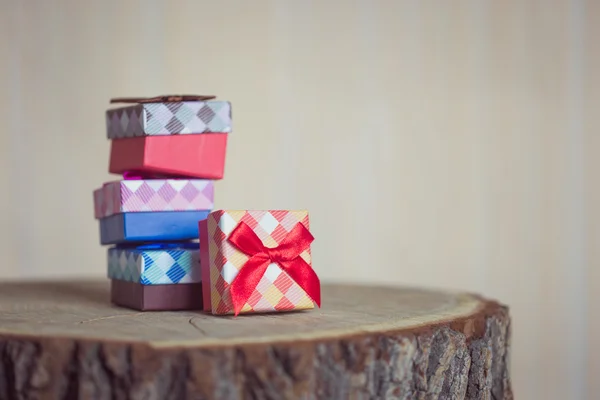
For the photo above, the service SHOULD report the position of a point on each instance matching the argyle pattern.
(153, 195)
(178, 118)
(276, 291)
(154, 267)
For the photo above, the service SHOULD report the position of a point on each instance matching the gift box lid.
(156, 264)
(142, 195)
(168, 115)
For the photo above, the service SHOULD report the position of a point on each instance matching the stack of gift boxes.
(169, 249)
(169, 150)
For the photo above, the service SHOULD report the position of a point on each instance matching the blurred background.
(439, 144)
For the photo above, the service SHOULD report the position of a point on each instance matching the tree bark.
(65, 340)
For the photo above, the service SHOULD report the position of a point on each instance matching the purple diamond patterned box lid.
(168, 115)
(143, 195)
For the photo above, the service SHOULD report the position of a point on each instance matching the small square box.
(257, 261)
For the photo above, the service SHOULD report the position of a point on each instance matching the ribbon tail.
(246, 280)
(305, 277)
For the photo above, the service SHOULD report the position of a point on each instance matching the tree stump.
(64, 340)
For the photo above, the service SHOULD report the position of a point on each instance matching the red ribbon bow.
(286, 255)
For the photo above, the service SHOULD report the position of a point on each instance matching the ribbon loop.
(244, 238)
(286, 255)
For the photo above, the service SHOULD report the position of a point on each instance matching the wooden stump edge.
(462, 358)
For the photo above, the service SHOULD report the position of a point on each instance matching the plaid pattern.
(276, 291)
(188, 117)
(153, 195)
(154, 267)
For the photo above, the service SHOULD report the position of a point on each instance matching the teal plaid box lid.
(156, 264)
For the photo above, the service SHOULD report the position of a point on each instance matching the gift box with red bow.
(257, 261)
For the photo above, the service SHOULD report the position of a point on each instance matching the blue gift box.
(150, 226)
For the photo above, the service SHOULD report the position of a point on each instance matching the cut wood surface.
(64, 340)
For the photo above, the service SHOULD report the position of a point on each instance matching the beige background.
(446, 144)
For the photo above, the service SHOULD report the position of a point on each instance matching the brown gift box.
(187, 296)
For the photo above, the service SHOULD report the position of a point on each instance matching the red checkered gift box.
(257, 261)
